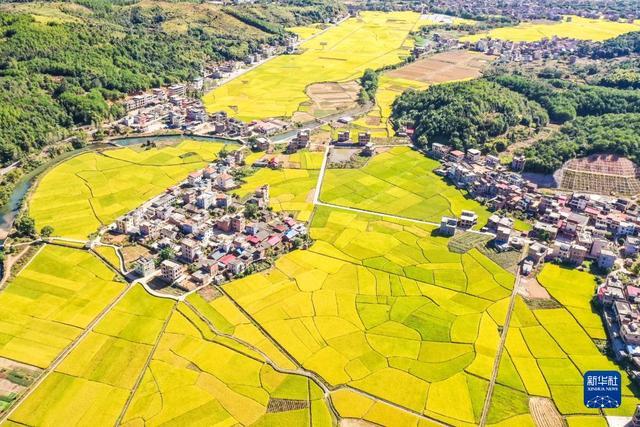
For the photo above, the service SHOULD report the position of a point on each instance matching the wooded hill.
(478, 114)
(61, 62)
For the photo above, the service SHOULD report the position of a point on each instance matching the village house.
(144, 266)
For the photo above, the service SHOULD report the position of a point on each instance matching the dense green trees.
(466, 114)
(58, 74)
(609, 133)
(565, 101)
(369, 86)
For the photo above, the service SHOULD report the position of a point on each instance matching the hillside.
(62, 63)
(465, 115)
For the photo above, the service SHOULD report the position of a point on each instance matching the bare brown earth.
(444, 67)
(330, 98)
(132, 253)
(544, 412)
(531, 288)
(353, 422)
(601, 174)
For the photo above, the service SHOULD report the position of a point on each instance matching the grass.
(93, 382)
(51, 301)
(400, 182)
(342, 53)
(93, 189)
(573, 27)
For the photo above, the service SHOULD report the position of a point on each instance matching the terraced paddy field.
(342, 53)
(572, 27)
(374, 303)
(92, 384)
(51, 301)
(93, 189)
(192, 360)
(400, 182)
(548, 351)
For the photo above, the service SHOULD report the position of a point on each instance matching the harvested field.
(332, 97)
(132, 253)
(531, 288)
(284, 405)
(544, 412)
(444, 67)
(601, 174)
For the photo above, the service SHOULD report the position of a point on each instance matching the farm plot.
(574, 290)
(93, 189)
(571, 26)
(548, 351)
(192, 361)
(439, 68)
(374, 303)
(228, 319)
(291, 190)
(49, 303)
(306, 31)
(401, 182)
(94, 381)
(109, 254)
(342, 53)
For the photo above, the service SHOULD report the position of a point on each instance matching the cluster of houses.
(568, 228)
(546, 48)
(165, 107)
(200, 234)
(527, 10)
(619, 298)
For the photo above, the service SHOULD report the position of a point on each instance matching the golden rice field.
(374, 303)
(109, 254)
(224, 384)
(304, 32)
(51, 301)
(380, 309)
(572, 27)
(377, 120)
(92, 384)
(291, 190)
(342, 53)
(400, 182)
(549, 350)
(93, 189)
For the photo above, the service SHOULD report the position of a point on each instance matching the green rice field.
(400, 182)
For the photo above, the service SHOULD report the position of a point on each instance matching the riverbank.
(12, 208)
